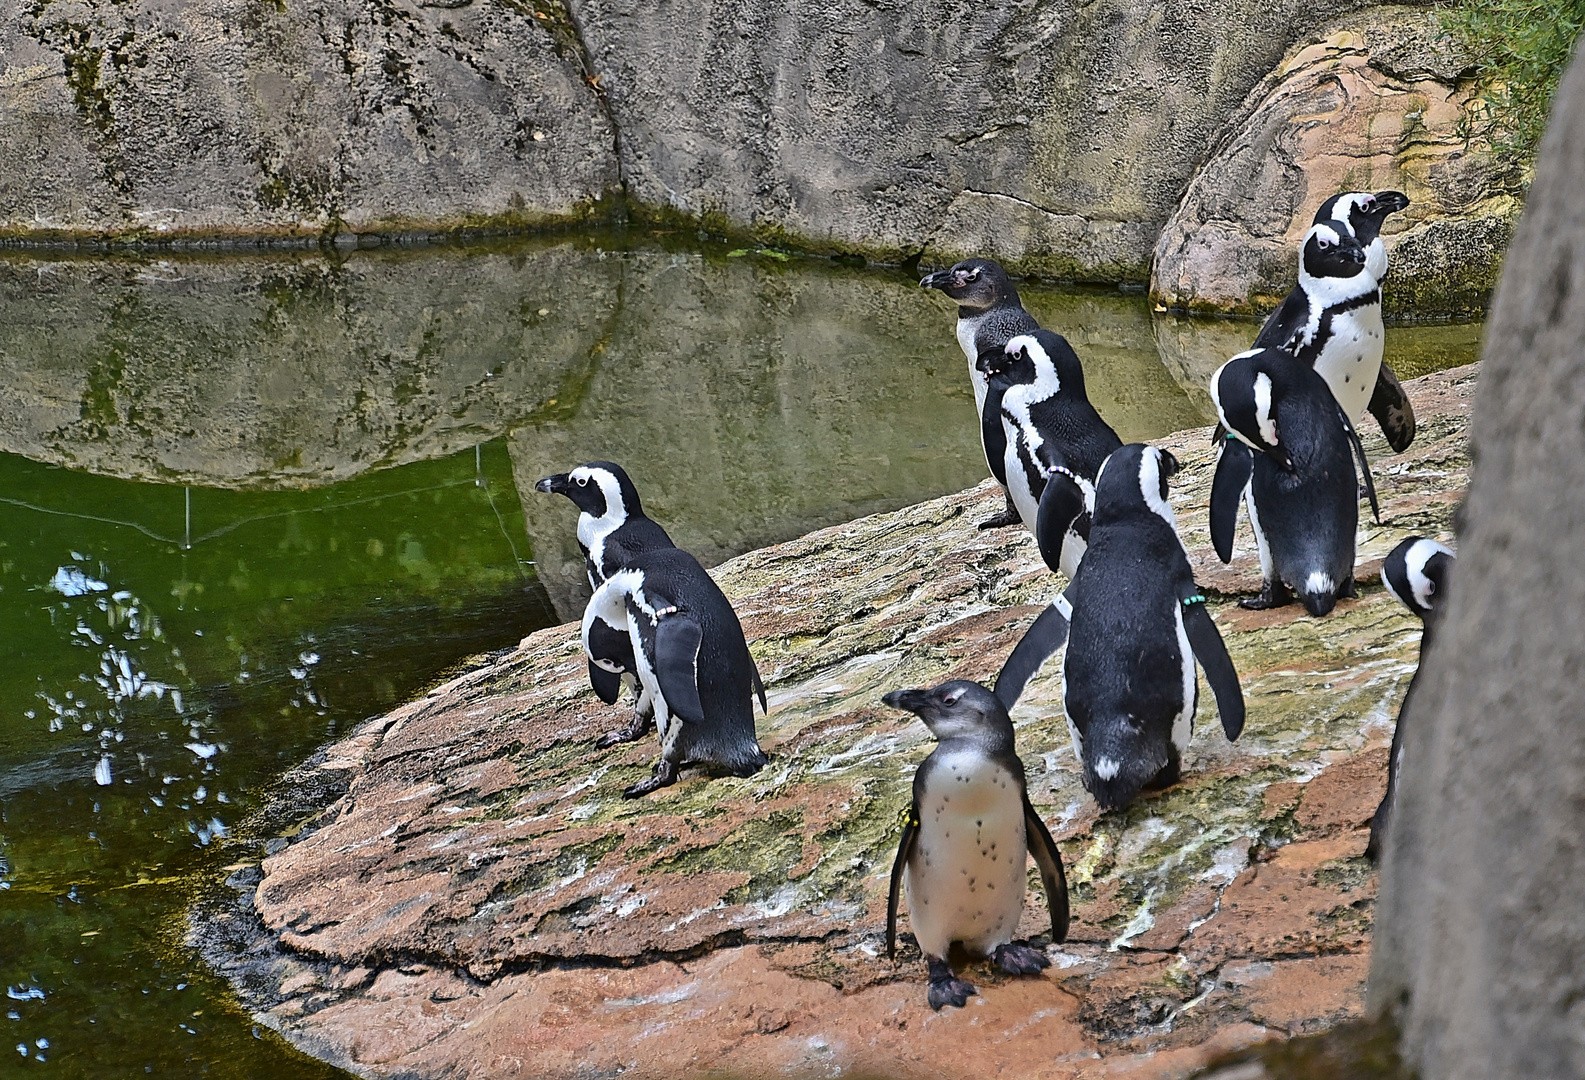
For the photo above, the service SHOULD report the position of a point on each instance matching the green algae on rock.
(482, 857)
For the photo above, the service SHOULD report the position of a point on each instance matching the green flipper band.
(1193, 600)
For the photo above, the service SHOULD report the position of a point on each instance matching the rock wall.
(483, 899)
(1481, 939)
(1375, 101)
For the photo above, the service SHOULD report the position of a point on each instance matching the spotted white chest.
(967, 876)
(1351, 358)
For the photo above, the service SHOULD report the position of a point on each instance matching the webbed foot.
(636, 729)
(946, 988)
(1005, 518)
(1018, 959)
(1275, 594)
(665, 776)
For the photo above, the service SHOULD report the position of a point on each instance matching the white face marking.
(1325, 292)
(1414, 560)
(1150, 487)
(592, 530)
(1183, 723)
(1216, 398)
(1266, 423)
(1021, 398)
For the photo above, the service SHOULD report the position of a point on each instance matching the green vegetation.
(1520, 49)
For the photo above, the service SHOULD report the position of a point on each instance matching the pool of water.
(250, 501)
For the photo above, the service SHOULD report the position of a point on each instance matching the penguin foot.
(1018, 959)
(1005, 518)
(1275, 594)
(946, 988)
(636, 729)
(665, 776)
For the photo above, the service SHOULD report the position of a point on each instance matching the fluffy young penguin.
(1332, 320)
(961, 857)
(687, 649)
(1416, 573)
(1135, 625)
(1055, 440)
(1290, 453)
(989, 313)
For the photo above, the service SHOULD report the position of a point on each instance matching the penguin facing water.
(1290, 454)
(989, 313)
(1416, 573)
(1055, 440)
(1332, 320)
(964, 841)
(1135, 625)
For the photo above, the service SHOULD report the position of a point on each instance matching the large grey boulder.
(156, 119)
(1480, 935)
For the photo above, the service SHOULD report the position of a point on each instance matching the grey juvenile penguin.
(967, 830)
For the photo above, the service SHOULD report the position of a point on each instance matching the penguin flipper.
(1392, 409)
(993, 436)
(1234, 466)
(1049, 861)
(1061, 504)
(1211, 652)
(1364, 465)
(1283, 328)
(677, 639)
(759, 687)
(905, 850)
(1048, 634)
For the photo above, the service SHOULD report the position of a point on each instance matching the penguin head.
(1330, 252)
(1007, 365)
(1122, 755)
(1245, 392)
(976, 284)
(598, 488)
(1416, 573)
(1360, 213)
(1051, 358)
(955, 709)
(1131, 479)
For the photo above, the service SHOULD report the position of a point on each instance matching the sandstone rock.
(521, 916)
(1374, 101)
(157, 120)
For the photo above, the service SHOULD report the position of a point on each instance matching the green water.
(249, 502)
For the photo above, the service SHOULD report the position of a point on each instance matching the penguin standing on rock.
(964, 840)
(1416, 573)
(688, 652)
(1135, 624)
(1055, 441)
(1332, 321)
(1291, 448)
(989, 313)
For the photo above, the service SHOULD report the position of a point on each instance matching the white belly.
(1018, 479)
(966, 879)
(1351, 359)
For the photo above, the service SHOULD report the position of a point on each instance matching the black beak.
(1169, 465)
(989, 361)
(1390, 202)
(553, 485)
(937, 280)
(912, 700)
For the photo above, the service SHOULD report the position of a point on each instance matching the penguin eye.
(1323, 244)
(951, 697)
(974, 275)
(583, 481)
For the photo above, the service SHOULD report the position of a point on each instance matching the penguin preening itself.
(989, 313)
(612, 531)
(1054, 440)
(687, 650)
(1135, 624)
(964, 839)
(1416, 573)
(1289, 453)
(1332, 320)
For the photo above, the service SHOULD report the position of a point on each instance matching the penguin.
(1135, 624)
(1416, 574)
(989, 313)
(964, 839)
(1290, 452)
(1332, 320)
(1055, 440)
(687, 650)
(613, 529)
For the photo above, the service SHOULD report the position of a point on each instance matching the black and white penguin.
(1332, 320)
(1290, 453)
(611, 521)
(687, 649)
(1416, 573)
(964, 840)
(989, 313)
(1055, 440)
(1135, 624)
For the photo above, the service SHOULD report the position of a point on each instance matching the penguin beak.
(1390, 202)
(938, 280)
(553, 485)
(989, 361)
(911, 700)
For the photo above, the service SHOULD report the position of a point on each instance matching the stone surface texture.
(262, 117)
(482, 902)
(1482, 937)
(1376, 101)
